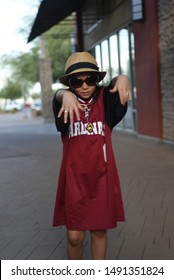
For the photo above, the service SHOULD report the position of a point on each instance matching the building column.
(166, 43)
(147, 72)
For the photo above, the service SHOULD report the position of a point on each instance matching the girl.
(89, 195)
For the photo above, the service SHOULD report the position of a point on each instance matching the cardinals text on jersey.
(79, 128)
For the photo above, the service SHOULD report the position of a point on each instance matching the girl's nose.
(84, 85)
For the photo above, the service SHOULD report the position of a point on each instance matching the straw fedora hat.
(80, 62)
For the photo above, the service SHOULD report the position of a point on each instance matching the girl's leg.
(98, 244)
(75, 244)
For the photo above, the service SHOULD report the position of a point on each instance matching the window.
(113, 49)
(105, 60)
(124, 51)
(115, 55)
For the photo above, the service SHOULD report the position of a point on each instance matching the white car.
(13, 106)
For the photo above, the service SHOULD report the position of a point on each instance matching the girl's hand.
(122, 85)
(70, 106)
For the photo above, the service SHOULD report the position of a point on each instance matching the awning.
(51, 12)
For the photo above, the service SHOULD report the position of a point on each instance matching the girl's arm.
(121, 85)
(69, 105)
(115, 98)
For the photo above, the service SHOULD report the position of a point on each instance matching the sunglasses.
(91, 80)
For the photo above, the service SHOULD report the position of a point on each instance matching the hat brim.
(64, 79)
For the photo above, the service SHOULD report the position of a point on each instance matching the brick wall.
(166, 44)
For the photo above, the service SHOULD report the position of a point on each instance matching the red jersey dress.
(89, 195)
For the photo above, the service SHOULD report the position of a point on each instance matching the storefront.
(123, 45)
(129, 37)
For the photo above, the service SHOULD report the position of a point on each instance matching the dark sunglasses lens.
(92, 80)
(76, 83)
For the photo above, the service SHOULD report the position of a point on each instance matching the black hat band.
(81, 65)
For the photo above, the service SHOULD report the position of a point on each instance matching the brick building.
(134, 37)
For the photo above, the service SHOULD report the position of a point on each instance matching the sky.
(12, 13)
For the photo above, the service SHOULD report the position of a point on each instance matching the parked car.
(36, 108)
(13, 106)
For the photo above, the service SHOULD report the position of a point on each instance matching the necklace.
(89, 126)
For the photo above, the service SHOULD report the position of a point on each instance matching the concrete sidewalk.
(30, 155)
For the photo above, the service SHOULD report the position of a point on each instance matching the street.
(30, 155)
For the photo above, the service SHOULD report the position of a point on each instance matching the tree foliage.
(58, 45)
(24, 67)
(12, 90)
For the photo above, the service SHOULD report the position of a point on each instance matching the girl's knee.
(75, 238)
(99, 234)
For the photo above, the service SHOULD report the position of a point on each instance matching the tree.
(24, 67)
(59, 46)
(12, 90)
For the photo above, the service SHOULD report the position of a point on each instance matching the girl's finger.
(60, 112)
(66, 116)
(114, 89)
(71, 115)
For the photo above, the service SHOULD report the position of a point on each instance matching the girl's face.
(84, 84)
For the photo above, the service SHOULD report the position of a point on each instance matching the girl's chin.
(85, 96)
